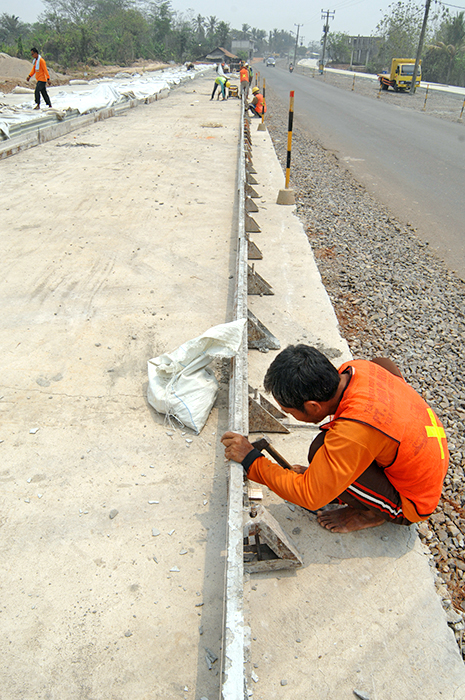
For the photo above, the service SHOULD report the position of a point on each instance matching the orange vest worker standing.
(39, 70)
(244, 75)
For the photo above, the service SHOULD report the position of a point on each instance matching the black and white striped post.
(286, 196)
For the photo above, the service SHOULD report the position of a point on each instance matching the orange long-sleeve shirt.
(349, 448)
(42, 73)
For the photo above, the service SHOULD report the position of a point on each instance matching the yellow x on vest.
(435, 431)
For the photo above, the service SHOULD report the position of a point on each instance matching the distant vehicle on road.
(401, 74)
(271, 62)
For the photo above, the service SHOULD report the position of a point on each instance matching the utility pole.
(326, 16)
(296, 41)
(420, 47)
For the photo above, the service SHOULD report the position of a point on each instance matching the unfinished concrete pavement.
(114, 251)
(115, 247)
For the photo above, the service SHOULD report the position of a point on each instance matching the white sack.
(180, 383)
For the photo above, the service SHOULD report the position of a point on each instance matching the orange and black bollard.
(286, 196)
(289, 138)
(461, 113)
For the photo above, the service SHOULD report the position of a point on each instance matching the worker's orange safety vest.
(244, 73)
(377, 398)
(261, 104)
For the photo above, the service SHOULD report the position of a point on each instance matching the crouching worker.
(258, 105)
(223, 83)
(382, 454)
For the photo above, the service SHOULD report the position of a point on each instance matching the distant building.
(220, 55)
(243, 45)
(363, 48)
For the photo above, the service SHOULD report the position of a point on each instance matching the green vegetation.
(444, 61)
(338, 47)
(72, 32)
(89, 32)
(443, 56)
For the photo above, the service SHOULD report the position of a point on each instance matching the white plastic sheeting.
(180, 383)
(101, 94)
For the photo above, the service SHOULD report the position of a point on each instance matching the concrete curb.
(37, 134)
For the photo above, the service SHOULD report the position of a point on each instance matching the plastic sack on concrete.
(180, 383)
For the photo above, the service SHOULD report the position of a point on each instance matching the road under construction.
(121, 535)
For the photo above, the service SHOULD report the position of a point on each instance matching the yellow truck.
(401, 74)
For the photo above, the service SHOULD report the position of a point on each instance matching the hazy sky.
(351, 16)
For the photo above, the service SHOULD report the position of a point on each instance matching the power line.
(446, 4)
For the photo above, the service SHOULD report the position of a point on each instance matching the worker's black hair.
(34, 50)
(301, 373)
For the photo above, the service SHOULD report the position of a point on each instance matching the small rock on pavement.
(284, 682)
(113, 514)
(360, 695)
(210, 658)
(254, 677)
(128, 633)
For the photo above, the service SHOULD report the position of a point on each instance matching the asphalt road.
(412, 162)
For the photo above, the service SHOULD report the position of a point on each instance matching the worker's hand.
(298, 468)
(236, 446)
(48, 81)
(27, 79)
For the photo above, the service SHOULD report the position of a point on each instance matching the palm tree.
(199, 27)
(454, 35)
(211, 25)
(11, 28)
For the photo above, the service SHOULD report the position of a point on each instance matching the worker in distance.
(382, 452)
(40, 72)
(258, 105)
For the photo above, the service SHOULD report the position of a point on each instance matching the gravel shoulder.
(392, 298)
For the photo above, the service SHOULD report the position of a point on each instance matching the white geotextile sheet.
(101, 95)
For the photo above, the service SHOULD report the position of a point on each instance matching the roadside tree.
(445, 58)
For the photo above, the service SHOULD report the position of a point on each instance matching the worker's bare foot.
(348, 519)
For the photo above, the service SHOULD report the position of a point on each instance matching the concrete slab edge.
(233, 646)
(61, 128)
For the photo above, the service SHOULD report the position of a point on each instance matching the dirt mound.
(14, 71)
(11, 67)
